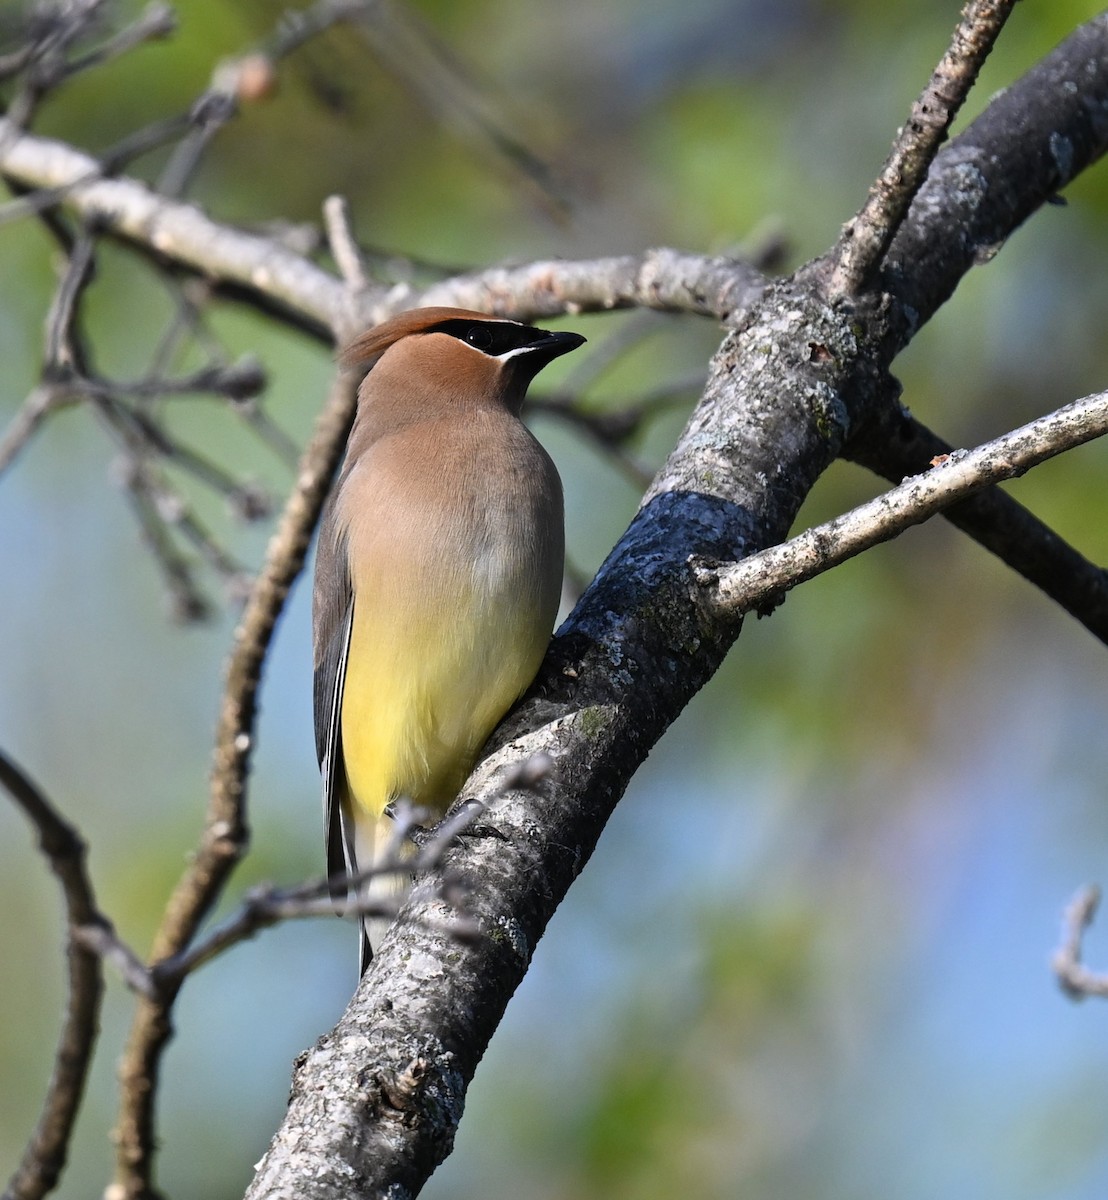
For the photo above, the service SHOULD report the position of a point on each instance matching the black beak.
(545, 349)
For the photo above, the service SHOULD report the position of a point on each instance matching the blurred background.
(810, 957)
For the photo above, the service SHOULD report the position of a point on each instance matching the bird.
(438, 574)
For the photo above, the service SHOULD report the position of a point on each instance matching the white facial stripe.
(512, 353)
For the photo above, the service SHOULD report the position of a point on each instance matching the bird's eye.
(480, 337)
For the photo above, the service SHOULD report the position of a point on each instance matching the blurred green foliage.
(809, 958)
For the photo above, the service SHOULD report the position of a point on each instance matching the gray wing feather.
(332, 620)
(337, 835)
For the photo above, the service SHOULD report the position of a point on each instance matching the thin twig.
(187, 602)
(240, 380)
(298, 26)
(45, 1154)
(208, 116)
(45, 66)
(760, 581)
(1074, 978)
(156, 21)
(42, 401)
(344, 246)
(103, 940)
(246, 500)
(155, 503)
(61, 354)
(263, 907)
(141, 142)
(269, 431)
(866, 239)
(526, 776)
(160, 507)
(267, 905)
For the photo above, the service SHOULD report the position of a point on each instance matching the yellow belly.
(426, 683)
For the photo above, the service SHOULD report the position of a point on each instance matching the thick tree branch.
(44, 1158)
(760, 581)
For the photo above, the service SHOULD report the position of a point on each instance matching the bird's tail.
(375, 846)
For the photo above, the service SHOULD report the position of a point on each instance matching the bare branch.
(255, 416)
(1074, 978)
(524, 776)
(349, 260)
(344, 247)
(237, 381)
(102, 939)
(45, 1155)
(661, 279)
(61, 356)
(761, 580)
(157, 20)
(170, 229)
(161, 508)
(187, 602)
(42, 401)
(266, 273)
(208, 116)
(43, 61)
(298, 26)
(866, 239)
(267, 905)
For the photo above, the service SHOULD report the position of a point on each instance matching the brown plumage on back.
(438, 571)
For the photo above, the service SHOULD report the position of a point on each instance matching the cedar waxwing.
(438, 573)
